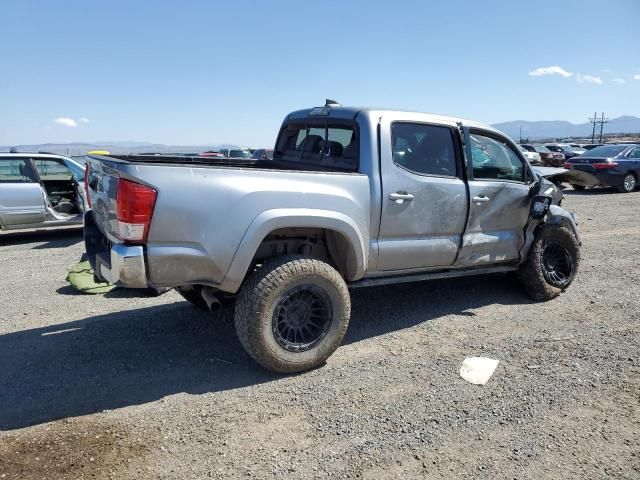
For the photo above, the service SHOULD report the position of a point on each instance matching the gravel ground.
(117, 387)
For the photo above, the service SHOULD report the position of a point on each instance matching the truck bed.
(221, 162)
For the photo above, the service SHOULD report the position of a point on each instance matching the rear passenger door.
(424, 199)
(21, 196)
(499, 183)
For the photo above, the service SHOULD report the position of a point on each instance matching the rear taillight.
(604, 165)
(134, 209)
(568, 165)
(86, 185)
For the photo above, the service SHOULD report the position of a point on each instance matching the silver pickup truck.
(353, 197)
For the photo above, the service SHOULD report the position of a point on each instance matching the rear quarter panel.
(204, 214)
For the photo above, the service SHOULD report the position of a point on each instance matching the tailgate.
(103, 177)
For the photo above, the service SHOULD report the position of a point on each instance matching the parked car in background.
(548, 158)
(614, 165)
(567, 150)
(353, 197)
(236, 152)
(263, 154)
(532, 157)
(592, 146)
(211, 153)
(38, 190)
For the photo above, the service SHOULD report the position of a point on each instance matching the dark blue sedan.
(613, 165)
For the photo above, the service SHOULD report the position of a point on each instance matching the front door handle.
(400, 197)
(481, 199)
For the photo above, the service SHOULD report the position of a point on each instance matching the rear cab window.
(327, 144)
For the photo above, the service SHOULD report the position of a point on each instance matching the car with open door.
(40, 190)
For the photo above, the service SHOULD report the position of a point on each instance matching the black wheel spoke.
(302, 318)
(557, 265)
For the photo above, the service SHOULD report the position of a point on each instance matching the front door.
(499, 184)
(424, 199)
(21, 196)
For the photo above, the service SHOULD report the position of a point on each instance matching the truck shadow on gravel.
(61, 238)
(134, 357)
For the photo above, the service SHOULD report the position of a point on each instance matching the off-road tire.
(531, 271)
(629, 183)
(260, 295)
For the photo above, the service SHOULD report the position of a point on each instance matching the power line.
(595, 120)
(603, 120)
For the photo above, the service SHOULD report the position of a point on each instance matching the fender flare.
(555, 216)
(275, 219)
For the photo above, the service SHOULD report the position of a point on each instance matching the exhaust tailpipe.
(210, 299)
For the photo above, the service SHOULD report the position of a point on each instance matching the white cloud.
(619, 81)
(84, 120)
(636, 77)
(588, 79)
(65, 122)
(554, 70)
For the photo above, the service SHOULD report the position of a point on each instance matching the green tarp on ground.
(81, 277)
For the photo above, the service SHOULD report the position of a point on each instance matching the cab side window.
(424, 149)
(16, 170)
(635, 154)
(493, 159)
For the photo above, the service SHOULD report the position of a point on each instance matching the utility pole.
(594, 120)
(603, 120)
(520, 134)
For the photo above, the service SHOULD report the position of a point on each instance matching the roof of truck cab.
(350, 112)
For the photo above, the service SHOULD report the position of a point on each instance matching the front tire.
(629, 183)
(292, 313)
(552, 263)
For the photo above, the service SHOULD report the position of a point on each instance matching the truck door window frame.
(457, 149)
(527, 175)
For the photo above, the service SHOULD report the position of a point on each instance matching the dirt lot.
(116, 387)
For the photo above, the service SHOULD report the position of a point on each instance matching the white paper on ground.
(478, 370)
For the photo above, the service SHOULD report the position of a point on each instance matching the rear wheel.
(629, 183)
(292, 313)
(552, 263)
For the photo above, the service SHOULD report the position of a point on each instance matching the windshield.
(541, 149)
(77, 170)
(239, 154)
(607, 150)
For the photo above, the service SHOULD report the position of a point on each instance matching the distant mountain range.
(562, 129)
(532, 130)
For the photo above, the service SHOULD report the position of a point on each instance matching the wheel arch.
(344, 239)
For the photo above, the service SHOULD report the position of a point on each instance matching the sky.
(211, 72)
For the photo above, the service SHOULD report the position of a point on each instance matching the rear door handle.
(481, 199)
(400, 197)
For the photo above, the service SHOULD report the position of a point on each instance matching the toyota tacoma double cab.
(353, 197)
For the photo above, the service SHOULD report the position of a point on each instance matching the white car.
(40, 190)
(532, 157)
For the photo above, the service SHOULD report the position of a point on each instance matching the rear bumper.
(611, 178)
(118, 264)
(125, 266)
